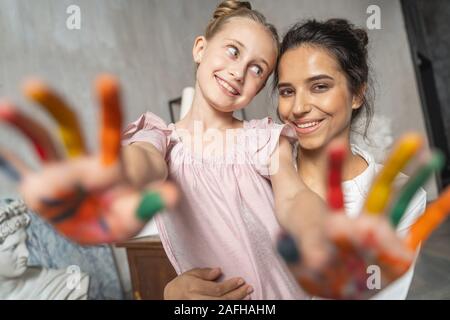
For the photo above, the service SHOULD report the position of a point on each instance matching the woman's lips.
(307, 127)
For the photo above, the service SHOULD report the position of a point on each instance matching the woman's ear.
(358, 98)
(199, 48)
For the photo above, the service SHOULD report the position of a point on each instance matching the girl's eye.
(233, 51)
(286, 92)
(320, 87)
(257, 70)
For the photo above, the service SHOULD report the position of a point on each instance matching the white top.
(356, 191)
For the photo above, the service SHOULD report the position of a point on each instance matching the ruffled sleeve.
(264, 139)
(148, 128)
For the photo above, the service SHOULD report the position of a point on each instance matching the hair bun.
(229, 6)
(362, 36)
(345, 25)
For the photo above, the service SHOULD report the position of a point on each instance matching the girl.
(226, 211)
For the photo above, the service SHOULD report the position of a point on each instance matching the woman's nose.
(301, 105)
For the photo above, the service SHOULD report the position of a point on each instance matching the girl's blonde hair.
(229, 9)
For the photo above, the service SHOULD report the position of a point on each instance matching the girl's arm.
(300, 211)
(143, 163)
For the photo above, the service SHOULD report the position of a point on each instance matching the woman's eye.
(257, 70)
(285, 92)
(233, 51)
(320, 87)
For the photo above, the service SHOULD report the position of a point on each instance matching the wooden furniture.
(149, 266)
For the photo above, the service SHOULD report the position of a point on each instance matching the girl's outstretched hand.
(88, 198)
(364, 254)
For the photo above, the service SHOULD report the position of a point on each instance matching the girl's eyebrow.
(243, 46)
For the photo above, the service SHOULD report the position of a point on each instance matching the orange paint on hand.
(108, 92)
(69, 127)
(434, 215)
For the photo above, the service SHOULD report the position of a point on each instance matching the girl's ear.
(358, 98)
(199, 48)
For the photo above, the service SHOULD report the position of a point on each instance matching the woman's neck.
(313, 167)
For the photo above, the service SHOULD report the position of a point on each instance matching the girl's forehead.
(251, 34)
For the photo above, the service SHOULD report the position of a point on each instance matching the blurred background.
(148, 43)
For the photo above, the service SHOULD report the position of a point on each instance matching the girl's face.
(13, 255)
(234, 64)
(314, 96)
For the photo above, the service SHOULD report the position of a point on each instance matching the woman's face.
(234, 64)
(13, 255)
(314, 96)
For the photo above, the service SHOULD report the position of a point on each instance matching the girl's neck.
(208, 116)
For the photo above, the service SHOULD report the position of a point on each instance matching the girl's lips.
(308, 129)
(225, 90)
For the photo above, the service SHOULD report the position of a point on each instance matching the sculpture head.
(13, 249)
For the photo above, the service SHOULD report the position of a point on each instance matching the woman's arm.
(299, 210)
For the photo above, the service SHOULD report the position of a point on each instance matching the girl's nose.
(236, 74)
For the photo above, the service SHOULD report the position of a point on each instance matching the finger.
(336, 155)
(404, 150)
(205, 273)
(69, 127)
(130, 210)
(107, 88)
(38, 135)
(154, 201)
(434, 164)
(238, 293)
(434, 215)
(288, 249)
(215, 289)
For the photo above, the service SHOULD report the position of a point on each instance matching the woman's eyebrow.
(283, 84)
(319, 77)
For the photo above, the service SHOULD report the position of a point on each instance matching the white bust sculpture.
(20, 282)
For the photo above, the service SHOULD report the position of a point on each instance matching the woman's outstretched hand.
(364, 254)
(87, 197)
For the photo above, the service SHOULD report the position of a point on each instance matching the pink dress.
(226, 214)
